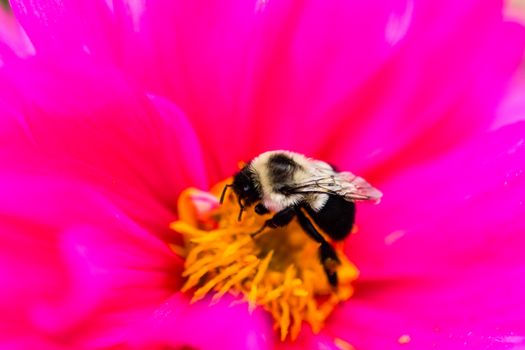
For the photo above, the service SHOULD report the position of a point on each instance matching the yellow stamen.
(279, 270)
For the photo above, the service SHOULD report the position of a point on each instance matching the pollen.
(277, 270)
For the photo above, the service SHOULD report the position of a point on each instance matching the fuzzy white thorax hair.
(307, 169)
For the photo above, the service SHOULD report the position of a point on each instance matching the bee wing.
(354, 187)
(344, 184)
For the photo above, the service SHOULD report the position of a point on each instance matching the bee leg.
(280, 219)
(256, 233)
(327, 254)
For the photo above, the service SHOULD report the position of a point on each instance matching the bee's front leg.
(280, 219)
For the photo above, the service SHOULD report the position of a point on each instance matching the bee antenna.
(240, 212)
(224, 192)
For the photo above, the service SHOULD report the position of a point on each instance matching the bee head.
(244, 187)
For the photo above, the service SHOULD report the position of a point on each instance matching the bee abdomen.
(336, 218)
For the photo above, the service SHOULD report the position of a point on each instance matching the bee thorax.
(276, 202)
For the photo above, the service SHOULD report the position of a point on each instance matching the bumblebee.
(290, 185)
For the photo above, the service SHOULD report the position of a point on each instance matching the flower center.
(278, 270)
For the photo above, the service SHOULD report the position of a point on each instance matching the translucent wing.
(344, 184)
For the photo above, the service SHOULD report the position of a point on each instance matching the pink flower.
(122, 105)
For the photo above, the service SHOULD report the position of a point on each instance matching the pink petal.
(512, 109)
(13, 39)
(479, 310)
(75, 264)
(140, 149)
(390, 77)
(113, 273)
(202, 326)
(88, 180)
(271, 60)
(245, 80)
(71, 25)
(31, 342)
(459, 209)
(448, 117)
(306, 65)
(441, 258)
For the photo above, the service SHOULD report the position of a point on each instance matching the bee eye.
(246, 188)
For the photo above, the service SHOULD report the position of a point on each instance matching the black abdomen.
(336, 218)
